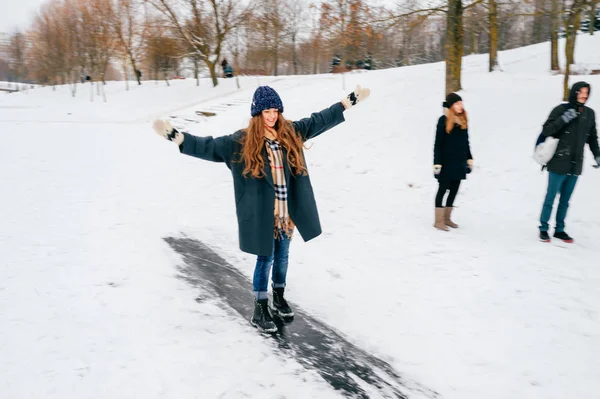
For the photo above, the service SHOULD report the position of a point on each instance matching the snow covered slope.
(90, 302)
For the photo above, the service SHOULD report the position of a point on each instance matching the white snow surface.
(91, 305)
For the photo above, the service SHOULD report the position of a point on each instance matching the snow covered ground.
(90, 302)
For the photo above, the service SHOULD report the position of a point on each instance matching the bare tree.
(267, 22)
(129, 30)
(98, 35)
(203, 25)
(539, 21)
(317, 34)
(477, 27)
(493, 21)
(572, 13)
(593, 7)
(295, 17)
(454, 45)
(48, 45)
(163, 52)
(555, 18)
(17, 47)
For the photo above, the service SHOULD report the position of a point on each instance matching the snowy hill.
(91, 305)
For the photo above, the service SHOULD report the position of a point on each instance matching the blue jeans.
(563, 184)
(279, 260)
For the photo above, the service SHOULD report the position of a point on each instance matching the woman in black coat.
(452, 158)
(273, 192)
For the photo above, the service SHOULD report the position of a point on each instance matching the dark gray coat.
(255, 198)
(568, 158)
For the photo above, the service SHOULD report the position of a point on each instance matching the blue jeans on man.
(279, 260)
(557, 184)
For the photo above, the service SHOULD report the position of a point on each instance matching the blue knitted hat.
(265, 98)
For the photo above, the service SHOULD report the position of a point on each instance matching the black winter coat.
(451, 150)
(255, 198)
(568, 158)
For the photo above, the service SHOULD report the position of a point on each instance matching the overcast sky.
(19, 13)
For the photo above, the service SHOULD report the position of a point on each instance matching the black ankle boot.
(280, 305)
(262, 317)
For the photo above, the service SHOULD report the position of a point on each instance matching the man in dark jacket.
(574, 125)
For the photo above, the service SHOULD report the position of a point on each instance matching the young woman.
(452, 158)
(273, 192)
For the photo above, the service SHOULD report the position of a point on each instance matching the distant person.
(273, 191)
(224, 65)
(574, 125)
(452, 158)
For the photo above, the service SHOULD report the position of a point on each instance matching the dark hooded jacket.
(568, 158)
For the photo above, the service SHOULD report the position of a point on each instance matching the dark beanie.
(451, 99)
(264, 98)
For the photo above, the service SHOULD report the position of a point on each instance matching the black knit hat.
(451, 99)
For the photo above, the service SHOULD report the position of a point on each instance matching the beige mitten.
(165, 129)
(358, 95)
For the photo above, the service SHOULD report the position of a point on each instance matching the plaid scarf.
(283, 223)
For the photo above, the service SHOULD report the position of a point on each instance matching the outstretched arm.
(320, 122)
(218, 149)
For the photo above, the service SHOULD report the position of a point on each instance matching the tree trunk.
(315, 56)
(566, 82)
(236, 66)
(554, 64)
(74, 82)
(593, 15)
(493, 17)
(125, 74)
(538, 21)
(454, 45)
(135, 70)
(294, 54)
(212, 67)
(572, 28)
(474, 41)
(276, 56)
(196, 72)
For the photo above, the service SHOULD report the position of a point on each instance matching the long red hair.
(453, 118)
(253, 141)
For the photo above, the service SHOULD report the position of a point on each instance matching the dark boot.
(563, 236)
(262, 318)
(280, 305)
